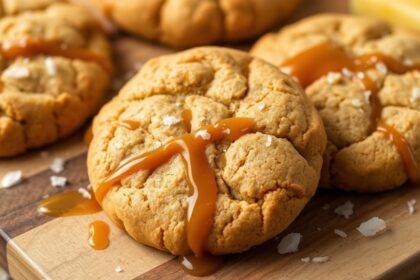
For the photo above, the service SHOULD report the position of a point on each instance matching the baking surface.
(43, 247)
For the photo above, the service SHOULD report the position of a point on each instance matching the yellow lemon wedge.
(404, 13)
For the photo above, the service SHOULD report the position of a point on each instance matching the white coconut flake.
(289, 243)
(333, 77)
(58, 181)
(340, 233)
(356, 103)
(321, 259)
(367, 95)
(411, 206)
(119, 269)
(381, 68)
(85, 193)
(345, 210)
(170, 120)
(269, 141)
(372, 227)
(415, 94)
(204, 134)
(11, 179)
(51, 67)
(17, 72)
(306, 259)
(57, 165)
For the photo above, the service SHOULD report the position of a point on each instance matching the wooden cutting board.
(33, 246)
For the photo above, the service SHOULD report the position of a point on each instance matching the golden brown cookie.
(12, 7)
(189, 23)
(55, 69)
(370, 107)
(264, 178)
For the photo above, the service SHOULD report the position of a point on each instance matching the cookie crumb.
(119, 269)
(415, 94)
(321, 259)
(11, 179)
(372, 226)
(333, 77)
(356, 103)
(17, 72)
(306, 259)
(340, 233)
(381, 68)
(57, 165)
(203, 134)
(58, 181)
(170, 120)
(51, 67)
(411, 206)
(345, 210)
(289, 243)
(269, 141)
(85, 193)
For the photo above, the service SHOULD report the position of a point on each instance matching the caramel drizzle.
(318, 61)
(98, 235)
(27, 47)
(203, 187)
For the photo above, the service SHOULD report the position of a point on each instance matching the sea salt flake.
(269, 141)
(356, 103)
(226, 131)
(345, 210)
(11, 179)
(157, 144)
(411, 206)
(306, 259)
(203, 134)
(360, 75)
(261, 107)
(58, 181)
(381, 67)
(289, 243)
(170, 120)
(119, 269)
(321, 259)
(17, 72)
(57, 165)
(415, 94)
(51, 67)
(367, 95)
(347, 73)
(85, 193)
(372, 226)
(340, 233)
(333, 77)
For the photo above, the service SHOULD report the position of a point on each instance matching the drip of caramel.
(70, 203)
(187, 117)
(202, 266)
(33, 47)
(203, 187)
(129, 124)
(322, 59)
(98, 235)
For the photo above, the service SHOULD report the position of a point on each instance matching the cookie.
(363, 76)
(189, 23)
(12, 7)
(263, 174)
(55, 68)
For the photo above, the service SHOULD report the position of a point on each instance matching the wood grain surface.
(33, 246)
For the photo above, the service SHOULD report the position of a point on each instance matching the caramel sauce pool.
(328, 57)
(98, 235)
(203, 188)
(32, 47)
(70, 203)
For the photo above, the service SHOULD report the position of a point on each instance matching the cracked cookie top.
(263, 178)
(54, 70)
(368, 113)
(196, 22)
